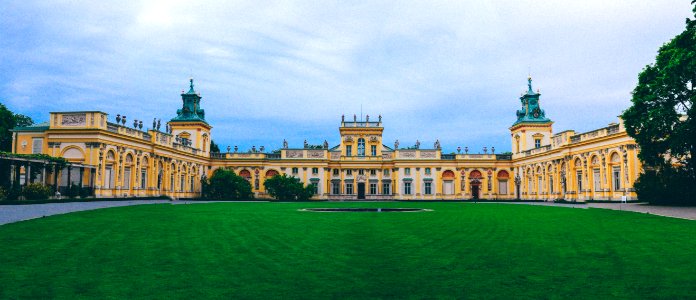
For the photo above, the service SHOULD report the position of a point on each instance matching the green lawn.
(272, 250)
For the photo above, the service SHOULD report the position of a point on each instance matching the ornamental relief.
(407, 154)
(335, 155)
(427, 154)
(74, 120)
(386, 155)
(348, 138)
(315, 154)
(294, 154)
(373, 139)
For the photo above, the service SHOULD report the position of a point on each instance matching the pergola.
(18, 171)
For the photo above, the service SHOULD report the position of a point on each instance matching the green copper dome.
(531, 112)
(191, 110)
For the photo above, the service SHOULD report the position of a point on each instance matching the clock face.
(536, 114)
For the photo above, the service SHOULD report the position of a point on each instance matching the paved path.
(15, 213)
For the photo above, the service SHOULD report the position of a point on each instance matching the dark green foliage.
(662, 120)
(274, 251)
(13, 192)
(85, 192)
(36, 191)
(73, 191)
(226, 185)
(285, 188)
(8, 121)
(214, 148)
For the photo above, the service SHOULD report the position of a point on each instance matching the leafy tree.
(214, 148)
(286, 188)
(9, 120)
(662, 121)
(226, 185)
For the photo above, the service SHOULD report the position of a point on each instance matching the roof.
(43, 126)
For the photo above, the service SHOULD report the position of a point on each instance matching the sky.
(274, 70)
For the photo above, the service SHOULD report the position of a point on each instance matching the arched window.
(361, 147)
(246, 174)
(503, 177)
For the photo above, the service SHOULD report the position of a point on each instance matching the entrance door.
(448, 187)
(361, 190)
(475, 191)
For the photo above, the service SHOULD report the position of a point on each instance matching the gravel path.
(15, 213)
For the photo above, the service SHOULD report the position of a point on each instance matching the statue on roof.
(396, 145)
(367, 118)
(159, 124)
(417, 144)
(355, 118)
(306, 144)
(343, 118)
(380, 118)
(326, 144)
(437, 144)
(285, 144)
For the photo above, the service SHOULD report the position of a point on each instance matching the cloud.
(451, 70)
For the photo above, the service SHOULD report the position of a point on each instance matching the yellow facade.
(119, 161)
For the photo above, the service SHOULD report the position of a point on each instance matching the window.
(349, 150)
(537, 143)
(315, 171)
(171, 183)
(427, 171)
(428, 188)
(295, 171)
(386, 188)
(126, 177)
(617, 178)
(108, 177)
(373, 172)
(551, 184)
(315, 187)
(36, 145)
(579, 176)
(349, 188)
(502, 187)
(407, 188)
(407, 171)
(597, 180)
(143, 178)
(386, 172)
(361, 147)
(373, 189)
(361, 172)
(349, 172)
(335, 188)
(193, 183)
(373, 150)
(181, 183)
(335, 172)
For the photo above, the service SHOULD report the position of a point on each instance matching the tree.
(214, 148)
(286, 188)
(662, 121)
(8, 121)
(226, 185)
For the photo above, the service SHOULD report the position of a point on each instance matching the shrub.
(286, 188)
(85, 192)
(13, 193)
(36, 191)
(226, 185)
(3, 194)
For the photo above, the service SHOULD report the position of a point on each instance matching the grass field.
(272, 250)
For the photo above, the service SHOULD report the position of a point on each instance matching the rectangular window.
(537, 143)
(126, 177)
(335, 172)
(181, 183)
(597, 180)
(171, 183)
(349, 150)
(295, 171)
(386, 188)
(315, 187)
(373, 189)
(361, 172)
(579, 178)
(36, 145)
(551, 184)
(349, 172)
(315, 171)
(539, 185)
(373, 150)
(427, 171)
(373, 172)
(349, 188)
(143, 178)
(386, 172)
(108, 177)
(407, 188)
(407, 171)
(617, 178)
(502, 187)
(335, 188)
(428, 188)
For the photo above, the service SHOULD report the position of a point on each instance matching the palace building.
(119, 160)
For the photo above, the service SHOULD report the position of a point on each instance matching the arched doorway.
(475, 183)
(503, 177)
